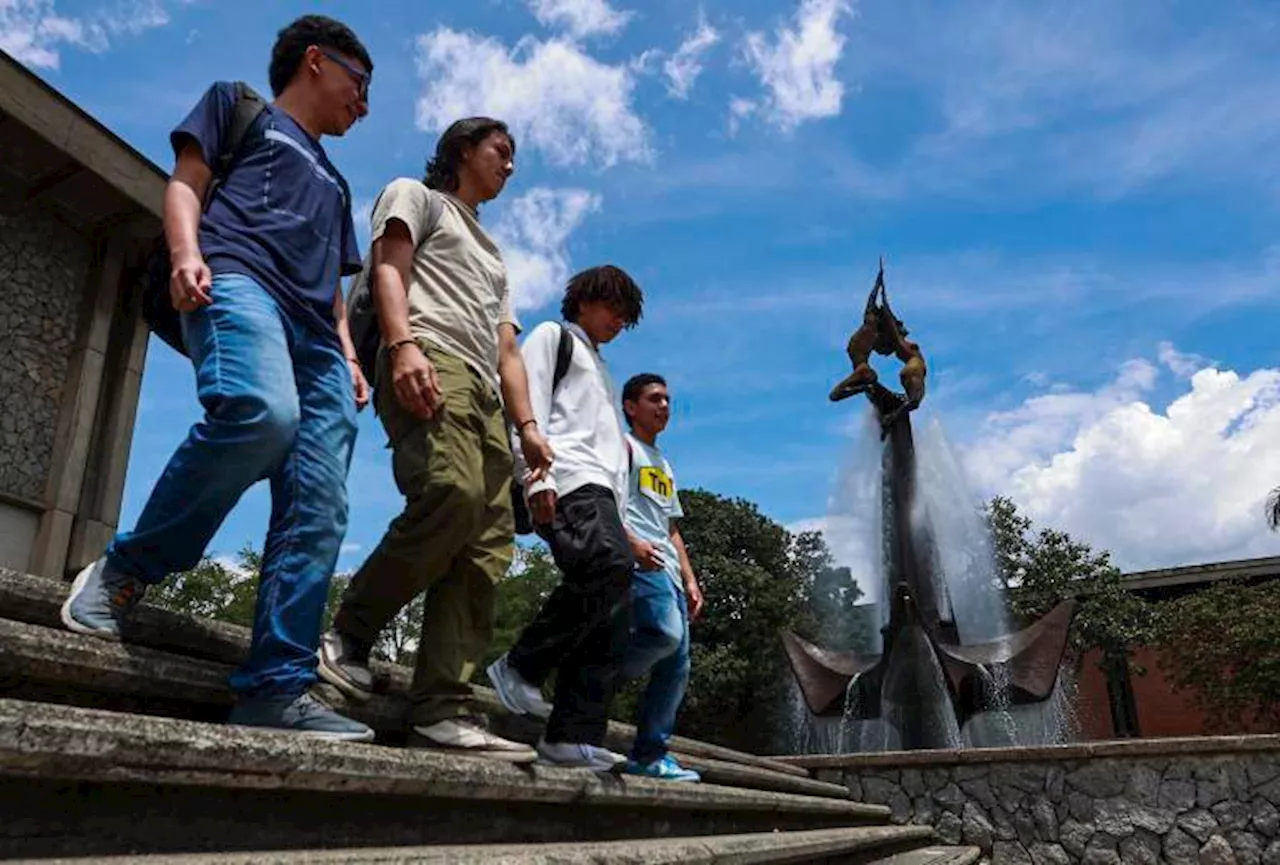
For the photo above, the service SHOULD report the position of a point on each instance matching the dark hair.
(293, 41)
(634, 389)
(608, 284)
(442, 169)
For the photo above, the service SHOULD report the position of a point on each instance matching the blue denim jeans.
(279, 405)
(660, 647)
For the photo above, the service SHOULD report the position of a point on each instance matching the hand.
(693, 594)
(190, 282)
(648, 557)
(415, 382)
(359, 383)
(542, 507)
(537, 452)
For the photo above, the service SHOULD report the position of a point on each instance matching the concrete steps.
(757, 849)
(67, 772)
(173, 665)
(116, 752)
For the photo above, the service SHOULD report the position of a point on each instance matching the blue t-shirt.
(282, 215)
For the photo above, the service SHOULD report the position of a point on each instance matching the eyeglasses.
(359, 76)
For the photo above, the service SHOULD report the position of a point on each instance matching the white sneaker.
(514, 692)
(468, 737)
(574, 755)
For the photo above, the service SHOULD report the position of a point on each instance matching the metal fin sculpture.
(920, 636)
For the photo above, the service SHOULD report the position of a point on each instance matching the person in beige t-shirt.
(448, 366)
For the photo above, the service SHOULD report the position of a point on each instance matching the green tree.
(228, 592)
(757, 578)
(214, 589)
(519, 597)
(841, 623)
(1219, 644)
(1040, 569)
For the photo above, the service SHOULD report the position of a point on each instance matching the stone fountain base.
(1211, 800)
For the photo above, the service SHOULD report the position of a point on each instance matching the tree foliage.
(214, 589)
(1040, 569)
(757, 579)
(1219, 643)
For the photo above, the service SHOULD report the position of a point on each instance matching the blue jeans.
(278, 405)
(660, 647)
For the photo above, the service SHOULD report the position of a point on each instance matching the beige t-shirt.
(458, 293)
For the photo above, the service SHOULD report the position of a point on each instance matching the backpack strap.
(244, 113)
(564, 356)
(248, 106)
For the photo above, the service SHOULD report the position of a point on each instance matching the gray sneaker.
(514, 692)
(574, 755)
(344, 663)
(303, 714)
(101, 601)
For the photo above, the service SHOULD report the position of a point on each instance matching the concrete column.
(77, 418)
(103, 492)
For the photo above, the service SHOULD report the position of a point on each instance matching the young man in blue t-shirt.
(664, 592)
(256, 277)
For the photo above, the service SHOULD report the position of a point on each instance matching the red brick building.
(1123, 704)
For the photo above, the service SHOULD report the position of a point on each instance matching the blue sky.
(1076, 202)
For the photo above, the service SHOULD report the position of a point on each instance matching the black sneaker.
(344, 663)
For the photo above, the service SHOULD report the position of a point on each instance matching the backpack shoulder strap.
(564, 356)
(248, 106)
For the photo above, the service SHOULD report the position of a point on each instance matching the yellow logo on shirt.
(656, 484)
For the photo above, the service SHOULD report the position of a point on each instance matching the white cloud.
(532, 232)
(684, 66)
(32, 31)
(580, 17)
(797, 65)
(556, 98)
(1157, 487)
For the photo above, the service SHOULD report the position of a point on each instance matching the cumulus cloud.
(684, 66)
(557, 99)
(580, 17)
(33, 31)
(1157, 487)
(796, 65)
(533, 231)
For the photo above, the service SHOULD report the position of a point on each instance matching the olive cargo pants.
(454, 540)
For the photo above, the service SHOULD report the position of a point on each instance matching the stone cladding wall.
(1181, 807)
(43, 267)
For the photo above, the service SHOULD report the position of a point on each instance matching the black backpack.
(564, 356)
(157, 306)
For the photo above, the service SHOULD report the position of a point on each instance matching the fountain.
(926, 683)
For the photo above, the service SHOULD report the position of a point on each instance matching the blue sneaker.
(665, 768)
(101, 601)
(303, 714)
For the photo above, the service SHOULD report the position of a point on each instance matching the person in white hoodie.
(582, 630)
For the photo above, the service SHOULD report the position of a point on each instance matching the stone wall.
(1185, 801)
(43, 267)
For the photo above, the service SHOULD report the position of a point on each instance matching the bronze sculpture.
(919, 637)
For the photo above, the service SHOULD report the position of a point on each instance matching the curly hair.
(292, 43)
(442, 169)
(607, 284)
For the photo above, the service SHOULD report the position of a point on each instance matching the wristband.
(391, 349)
(520, 427)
